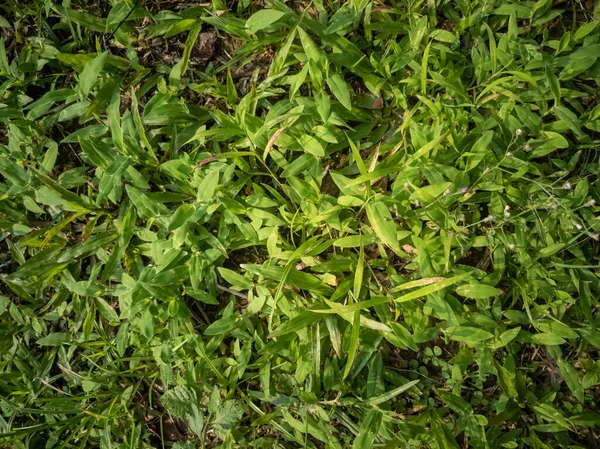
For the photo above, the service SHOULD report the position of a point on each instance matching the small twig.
(233, 292)
(49, 385)
(135, 5)
(205, 161)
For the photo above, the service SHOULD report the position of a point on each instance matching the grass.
(299, 225)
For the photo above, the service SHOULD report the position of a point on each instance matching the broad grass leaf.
(297, 323)
(444, 36)
(235, 279)
(112, 178)
(375, 383)
(181, 216)
(393, 393)
(339, 88)
(90, 74)
(298, 80)
(541, 7)
(313, 52)
(456, 403)
(223, 325)
(353, 307)
(299, 165)
(359, 271)
(203, 296)
(479, 150)
(548, 339)
(281, 56)
(477, 291)
(418, 283)
(592, 336)
(190, 43)
(54, 339)
(13, 172)
(353, 241)
(353, 344)
(404, 336)
(263, 19)
(325, 134)
(430, 145)
(571, 379)
(73, 199)
(570, 119)
(168, 114)
(432, 288)
(335, 335)
(368, 430)
(295, 278)
(549, 142)
(551, 414)
(144, 205)
(550, 250)
(554, 85)
(40, 263)
(431, 192)
(506, 337)
(556, 328)
(4, 302)
(342, 19)
(92, 244)
(106, 310)
(382, 223)
(311, 145)
(468, 334)
(88, 21)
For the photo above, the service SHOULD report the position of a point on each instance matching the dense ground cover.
(321, 225)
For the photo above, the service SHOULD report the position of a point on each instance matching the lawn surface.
(299, 225)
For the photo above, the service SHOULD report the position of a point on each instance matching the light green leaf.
(468, 334)
(181, 216)
(90, 74)
(368, 430)
(382, 223)
(262, 19)
(339, 88)
(235, 279)
(572, 379)
(353, 345)
(223, 325)
(477, 291)
(112, 178)
(311, 145)
(548, 339)
(55, 339)
(393, 393)
(432, 288)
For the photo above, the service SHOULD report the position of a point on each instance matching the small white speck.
(518, 132)
(511, 246)
(566, 186)
(590, 203)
